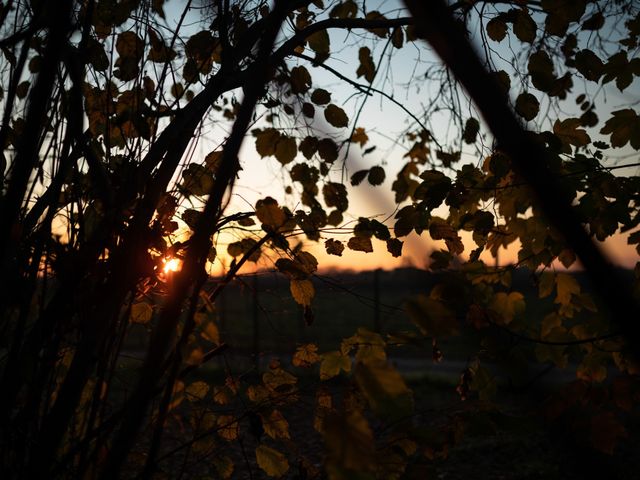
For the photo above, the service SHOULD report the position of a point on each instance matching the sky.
(384, 122)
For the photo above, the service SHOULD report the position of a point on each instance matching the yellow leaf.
(302, 291)
(333, 363)
(275, 379)
(275, 425)
(349, 441)
(197, 390)
(432, 317)
(211, 332)
(566, 286)
(306, 355)
(269, 213)
(224, 466)
(508, 305)
(227, 427)
(384, 389)
(140, 313)
(271, 461)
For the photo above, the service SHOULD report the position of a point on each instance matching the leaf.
(376, 176)
(309, 146)
(358, 177)
(360, 244)
(566, 285)
(141, 312)
(266, 141)
(333, 363)
(336, 116)
(471, 129)
(385, 390)
(197, 390)
(350, 442)
(159, 52)
(496, 29)
(624, 127)
(223, 465)
(300, 80)
(320, 96)
(320, 44)
(569, 133)
(270, 213)
(347, 9)
(440, 230)
(524, 27)
(302, 291)
(432, 317)
(271, 461)
(541, 70)
(367, 67)
(228, 427)
(379, 31)
(508, 305)
(527, 106)
(306, 355)
(589, 65)
(359, 136)
(334, 247)
(275, 425)
(394, 247)
(328, 150)
(286, 149)
(335, 195)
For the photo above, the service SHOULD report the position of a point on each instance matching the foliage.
(105, 103)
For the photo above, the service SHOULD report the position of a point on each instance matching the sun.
(171, 265)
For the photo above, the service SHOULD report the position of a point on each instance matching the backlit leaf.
(508, 305)
(275, 425)
(367, 67)
(302, 291)
(359, 136)
(471, 129)
(384, 389)
(349, 441)
(333, 363)
(394, 247)
(496, 29)
(286, 149)
(141, 312)
(524, 27)
(306, 355)
(336, 116)
(319, 43)
(360, 244)
(271, 461)
(566, 285)
(358, 177)
(320, 96)
(300, 80)
(376, 176)
(432, 317)
(624, 127)
(334, 247)
(527, 106)
(328, 150)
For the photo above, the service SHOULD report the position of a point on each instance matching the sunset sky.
(385, 123)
